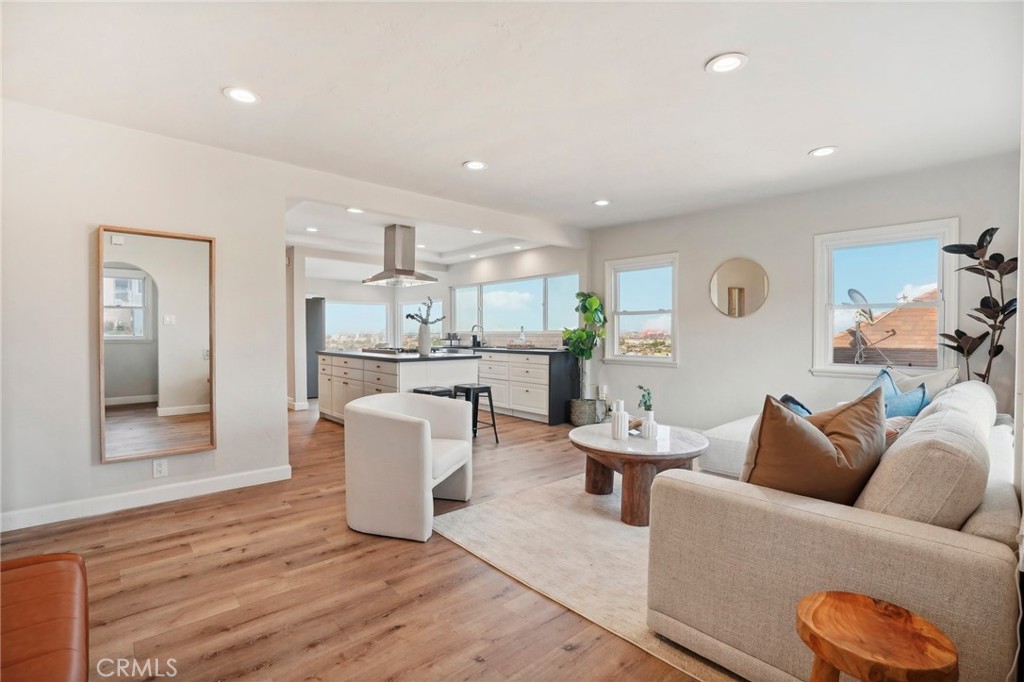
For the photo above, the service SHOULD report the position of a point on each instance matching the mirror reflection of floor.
(136, 429)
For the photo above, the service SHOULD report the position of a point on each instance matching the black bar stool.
(473, 393)
(442, 391)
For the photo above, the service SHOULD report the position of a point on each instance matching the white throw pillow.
(934, 382)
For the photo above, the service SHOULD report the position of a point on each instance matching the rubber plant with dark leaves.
(583, 340)
(994, 311)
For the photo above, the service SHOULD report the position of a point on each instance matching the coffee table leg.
(636, 493)
(823, 671)
(599, 478)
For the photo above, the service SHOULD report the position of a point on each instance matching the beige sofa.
(729, 560)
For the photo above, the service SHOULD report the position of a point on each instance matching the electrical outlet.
(159, 468)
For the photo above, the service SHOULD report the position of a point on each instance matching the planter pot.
(423, 340)
(583, 412)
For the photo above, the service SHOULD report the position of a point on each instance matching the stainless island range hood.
(399, 260)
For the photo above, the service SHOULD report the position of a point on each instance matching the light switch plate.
(169, 320)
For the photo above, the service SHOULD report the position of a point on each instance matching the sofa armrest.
(731, 560)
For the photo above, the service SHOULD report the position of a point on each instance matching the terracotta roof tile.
(902, 336)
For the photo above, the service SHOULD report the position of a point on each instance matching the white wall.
(63, 176)
(728, 365)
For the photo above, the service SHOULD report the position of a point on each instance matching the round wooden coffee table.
(638, 460)
(872, 639)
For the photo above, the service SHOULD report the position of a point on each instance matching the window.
(125, 299)
(354, 326)
(882, 296)
(640, 309)
(538, 304)
(467, 308)
(411, 328)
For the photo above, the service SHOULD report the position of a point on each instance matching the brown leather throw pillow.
(829, 455)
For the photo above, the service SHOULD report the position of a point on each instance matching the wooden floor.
(268, 583)
(136, 429)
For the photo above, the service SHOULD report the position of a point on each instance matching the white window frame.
(611, 342)
(149, 320)
(946, 230)
(458, 326)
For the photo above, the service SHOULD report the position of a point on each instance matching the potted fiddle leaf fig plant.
(581, 342)
(994, 310)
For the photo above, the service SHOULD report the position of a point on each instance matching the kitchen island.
(347, 375)
(531, 383)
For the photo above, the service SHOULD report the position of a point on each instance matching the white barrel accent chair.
(401, 451)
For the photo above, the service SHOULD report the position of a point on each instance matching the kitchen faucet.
(481, 332)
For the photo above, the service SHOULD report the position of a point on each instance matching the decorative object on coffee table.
(638, 460)
(581, 342)
(649, 428)
(994, 311)
(871, 639)
(423, 339)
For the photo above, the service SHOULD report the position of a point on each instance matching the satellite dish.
(859, 299)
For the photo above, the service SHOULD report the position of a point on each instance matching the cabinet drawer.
(381, 367)
(347, 373)
(347, 362)
(377, 379)
(493, 357)
(370, 389)
(528, 373)
(528, 397)
(324, 359)
(494, 370)
(325, 368)
(529, 359)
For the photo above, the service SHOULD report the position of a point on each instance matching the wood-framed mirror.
(739, 287)
(156, 343)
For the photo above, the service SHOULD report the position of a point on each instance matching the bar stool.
(473, 393)
(442, 391)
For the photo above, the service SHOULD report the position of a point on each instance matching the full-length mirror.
(739, 287)
(156, 344)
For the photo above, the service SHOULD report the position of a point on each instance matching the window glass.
(465, 308)
(507, 306)
(645, 289)
(124, 307)
(411, 328)
(642, 317)
(353, 326)
(562, 302)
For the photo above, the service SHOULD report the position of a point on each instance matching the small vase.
(649, 428)
(424, 340)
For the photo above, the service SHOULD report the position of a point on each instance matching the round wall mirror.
(739, 287)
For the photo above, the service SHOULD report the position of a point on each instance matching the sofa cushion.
(935, 473)
(998, 516)
(934, 382)
(828, 456)
(727, 447)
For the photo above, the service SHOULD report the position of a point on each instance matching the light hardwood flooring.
(268, 583)
(136, 429)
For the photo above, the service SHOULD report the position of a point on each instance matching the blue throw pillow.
(795, 405)
(897, 403)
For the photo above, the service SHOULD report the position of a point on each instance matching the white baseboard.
(298, 407)
(131, 400)
(183, 409)
(104, 504)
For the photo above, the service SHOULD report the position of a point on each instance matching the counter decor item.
(581, 342)
(423, 340)
(994, 311)
(649, 428)
(620, 421)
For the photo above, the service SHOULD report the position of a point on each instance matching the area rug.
(571, 547)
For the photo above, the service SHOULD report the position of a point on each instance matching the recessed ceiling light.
(474, 165)
(241, 95)
(472, 255)
(353, 209)
(477, 231)
(724, 63)
(312, 229)
(823, 151)
(421, 246)
(517, 247)
(601, 202)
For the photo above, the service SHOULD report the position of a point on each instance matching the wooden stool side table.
(872, 640)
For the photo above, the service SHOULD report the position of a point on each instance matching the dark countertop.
(404, 357)
(543, 351)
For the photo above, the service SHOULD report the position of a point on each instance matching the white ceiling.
(363, 233)
(567, 102)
